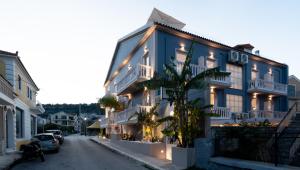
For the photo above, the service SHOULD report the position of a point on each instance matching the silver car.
(48, 142)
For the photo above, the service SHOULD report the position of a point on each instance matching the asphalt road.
(79, 153)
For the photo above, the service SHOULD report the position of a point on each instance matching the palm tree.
(184, 125)
(147, 120)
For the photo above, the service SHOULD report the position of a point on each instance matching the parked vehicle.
(32, 151)
(57, 134)
(48, 142)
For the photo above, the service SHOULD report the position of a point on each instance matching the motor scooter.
(32, 151)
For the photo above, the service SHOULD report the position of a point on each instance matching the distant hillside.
(73, 108)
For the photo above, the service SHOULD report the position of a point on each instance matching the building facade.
(255, 90)
(63, 119)
(20, 121)
(293, 90)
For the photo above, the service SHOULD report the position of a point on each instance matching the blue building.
(256, 89)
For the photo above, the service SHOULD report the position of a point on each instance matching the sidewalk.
(6, 161)
(149, 161)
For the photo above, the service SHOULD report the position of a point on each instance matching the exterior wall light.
(270, 71)
(254, 67)
(270, 97)
(146, 49)
(211, 55)
(129, 67)
(182, 47)
(172, 113)
(162, 151)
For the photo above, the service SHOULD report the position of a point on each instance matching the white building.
(62, 118)
(19, 106)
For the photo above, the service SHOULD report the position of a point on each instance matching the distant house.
(18, 99)
(293, 90)
(62, 118)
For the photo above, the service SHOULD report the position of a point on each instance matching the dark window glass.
(44, 137)
(19, 82)
(19, 123)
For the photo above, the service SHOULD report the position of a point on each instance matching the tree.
(184, 124)
(110, 102)
(148, 121)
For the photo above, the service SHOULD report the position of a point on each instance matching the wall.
(150, 149)
(167, 45)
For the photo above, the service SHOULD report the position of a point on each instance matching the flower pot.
(183, 157)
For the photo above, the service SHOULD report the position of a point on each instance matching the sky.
(67, 45)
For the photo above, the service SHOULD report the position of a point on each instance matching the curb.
(13, 163)
(146, 164)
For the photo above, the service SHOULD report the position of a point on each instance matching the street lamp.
(85, 126)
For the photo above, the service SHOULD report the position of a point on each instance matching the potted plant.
(189, 119)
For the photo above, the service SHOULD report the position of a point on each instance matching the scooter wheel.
(42, 157)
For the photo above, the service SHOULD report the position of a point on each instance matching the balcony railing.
(267, 86)
(220, 81)
(222, 112)
(6, 88)
(266, 114)
(196, 69)
(103, 122)
(137, 73)
(123, 116)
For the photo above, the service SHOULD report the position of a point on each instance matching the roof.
(95, 125)
(215, 43)
(294, 77)
(15, 55)
(159, 16)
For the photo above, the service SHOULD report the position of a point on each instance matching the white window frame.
(234, 76)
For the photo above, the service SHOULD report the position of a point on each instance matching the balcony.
(103, 122)
(136, 74)
(196, 69)
(222, 112)
(221, 82)
(123, 116)
(269, 87)
(6, 91)
(224, 81)
(266, 114)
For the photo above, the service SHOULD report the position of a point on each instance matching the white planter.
(183, 157)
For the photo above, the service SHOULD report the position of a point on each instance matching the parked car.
(48, 142)
(57, 134)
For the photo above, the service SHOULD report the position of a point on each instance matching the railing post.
(276, 148)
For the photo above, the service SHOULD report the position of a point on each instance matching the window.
(181, 56)
(211, 63)
(33, 125)
(235, 103)
(63, 117)
(19, 123)
(254, 75)
(19, 82)
(180, 59)
(28, 92)
(56, 117)
(236, 76)
(291, 90)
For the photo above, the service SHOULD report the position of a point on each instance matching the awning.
(95, 125)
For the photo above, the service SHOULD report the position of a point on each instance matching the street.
(79, 153)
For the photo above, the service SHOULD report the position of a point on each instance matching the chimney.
(17, 52)
(256, 52)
